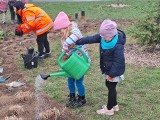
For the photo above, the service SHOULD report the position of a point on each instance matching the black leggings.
(19, 19)
(112, 94)
(42, 42)
(11, 10)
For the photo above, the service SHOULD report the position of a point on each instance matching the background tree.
(148, 30)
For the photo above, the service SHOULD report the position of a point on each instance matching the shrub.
(148, 33)
(148, 30)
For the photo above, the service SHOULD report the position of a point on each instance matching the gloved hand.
(18, 31)
(109, 78)
(65, 57)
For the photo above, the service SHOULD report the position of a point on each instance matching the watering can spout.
(62, 73)
(75, 66)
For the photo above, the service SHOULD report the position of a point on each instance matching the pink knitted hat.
(61, 21)
(108, 29)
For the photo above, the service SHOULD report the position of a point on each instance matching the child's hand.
(65, 57)
(71, 46)
(66, 49)
(109, 78)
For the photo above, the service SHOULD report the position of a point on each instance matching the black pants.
(112, 94)
(19, 20)
(11, 10)
(42, 42)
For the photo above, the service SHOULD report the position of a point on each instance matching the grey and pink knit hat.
(61, 21)
(108, 29)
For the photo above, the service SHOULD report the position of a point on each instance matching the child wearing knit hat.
(69, 35)
(112, 61)
(3, 9)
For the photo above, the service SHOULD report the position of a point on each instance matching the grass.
(137, 9)
(138, 94)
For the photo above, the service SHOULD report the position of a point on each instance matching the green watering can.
(75, 66)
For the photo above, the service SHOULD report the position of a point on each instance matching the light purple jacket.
(3, 5)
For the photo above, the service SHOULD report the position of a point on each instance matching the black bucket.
(30, 59)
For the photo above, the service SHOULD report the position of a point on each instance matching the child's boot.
(80, 101)
(71, 101)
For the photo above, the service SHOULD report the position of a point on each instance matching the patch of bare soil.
(19, 103)
(142, 56)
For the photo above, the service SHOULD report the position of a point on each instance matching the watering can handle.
(84, 55)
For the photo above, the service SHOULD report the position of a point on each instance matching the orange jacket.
(35, 19)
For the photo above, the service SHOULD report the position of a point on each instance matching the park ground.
(12, 46)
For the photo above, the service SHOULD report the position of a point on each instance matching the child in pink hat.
(69, 35)
(3, 9)
(112, 60)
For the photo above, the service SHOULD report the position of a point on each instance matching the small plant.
(10, 34)
(1, 35)
(148, 31)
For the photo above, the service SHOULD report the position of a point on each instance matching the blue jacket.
(112, 61)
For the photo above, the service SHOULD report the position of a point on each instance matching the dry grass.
(51, 114)
(12, 118)
(6, 100)
(16, 110)
(24, 96)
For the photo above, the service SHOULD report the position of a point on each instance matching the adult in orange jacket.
(37, 20)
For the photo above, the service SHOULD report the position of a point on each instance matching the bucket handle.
(83, 53)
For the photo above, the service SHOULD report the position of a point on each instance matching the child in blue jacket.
(112, 60)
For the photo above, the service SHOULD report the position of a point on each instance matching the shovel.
(2, 79)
